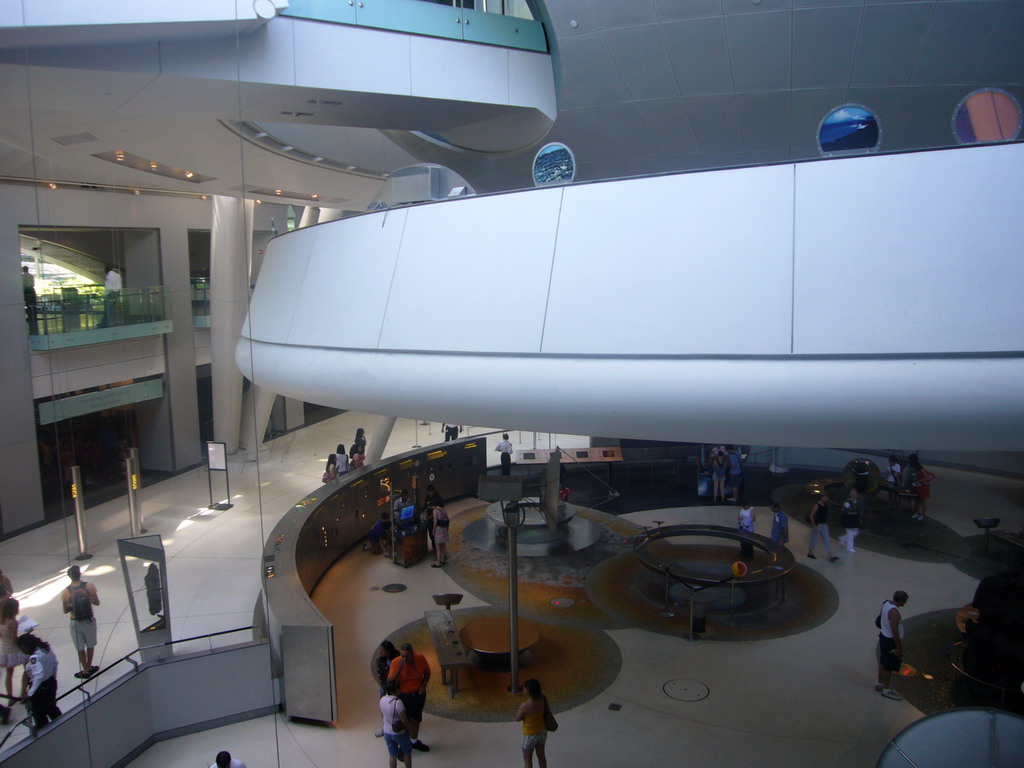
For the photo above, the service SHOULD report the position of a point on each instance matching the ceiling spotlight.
(51, 185)
(315, 196)
(189, 174)
(136, 192)
(259, 202)
(277, 191)
(153, 165)
(202, 197)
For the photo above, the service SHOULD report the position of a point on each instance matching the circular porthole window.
(987, 115)
(554, 164)
(849, 130)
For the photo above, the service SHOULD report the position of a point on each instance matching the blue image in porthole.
(848, 129)
(554, 164)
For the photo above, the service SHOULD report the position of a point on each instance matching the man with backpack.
(78, 599)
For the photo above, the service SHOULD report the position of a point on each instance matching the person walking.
(396, 726)
(745, 525)
(818, 519)
(10, 656)
(78, 599)
(890, 643)
(535, 730)
(381, 666)
(412, 673)
(441, 522)
(920, 479)
(850, 520)
(41, 673)
(506, 454)
(780, 526)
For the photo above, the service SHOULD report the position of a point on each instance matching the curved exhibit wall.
(319, 529)
(869, 300)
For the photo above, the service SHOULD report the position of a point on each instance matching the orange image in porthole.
(986, 116)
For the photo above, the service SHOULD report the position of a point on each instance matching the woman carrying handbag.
(537, 720)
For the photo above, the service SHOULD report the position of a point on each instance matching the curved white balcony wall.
(863, 301)
(58, 22)
(483, 97)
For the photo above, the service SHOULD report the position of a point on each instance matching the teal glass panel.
(92, 402)
(413, 16)
(506, 31)
(338, 11)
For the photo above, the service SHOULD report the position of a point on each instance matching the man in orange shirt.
(412, 672)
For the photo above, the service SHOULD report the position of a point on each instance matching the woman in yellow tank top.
(531, 714)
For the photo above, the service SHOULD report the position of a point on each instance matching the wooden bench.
(450, 652)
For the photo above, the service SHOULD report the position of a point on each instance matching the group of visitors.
(19, 647)
(402, 677)
(915, 478)
(340, 462)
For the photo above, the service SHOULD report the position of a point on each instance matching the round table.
(490, 637)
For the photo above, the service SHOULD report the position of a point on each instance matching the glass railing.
(507, 23)
(91, 314)
(200, 302)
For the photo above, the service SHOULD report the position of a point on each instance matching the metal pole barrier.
(76, 495)
(513, 598)
(132, 478)
(668, 613)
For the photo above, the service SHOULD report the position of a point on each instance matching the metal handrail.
(27, 720)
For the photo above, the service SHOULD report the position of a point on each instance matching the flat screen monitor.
(408, 513)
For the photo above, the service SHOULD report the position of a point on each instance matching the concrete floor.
(802, 700)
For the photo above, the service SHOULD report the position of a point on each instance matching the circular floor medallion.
(686, 690)
(394, 587)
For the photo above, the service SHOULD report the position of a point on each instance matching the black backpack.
(81, 603)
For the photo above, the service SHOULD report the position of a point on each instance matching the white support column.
(329, 214)
(310, 216)
(230, 246)
(378, 439)
(259, 402)
(779, 465)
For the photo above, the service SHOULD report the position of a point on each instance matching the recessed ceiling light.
(51, 185)
(287, 148)
(202, 197)
(277, 191)
(136, 192)
(260, 135)
(189, 174)
(350, 167)
(153, 164)
(259, 202)
(315, 196)
(318, 159)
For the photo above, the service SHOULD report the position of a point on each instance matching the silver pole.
(76, 495)
(513, 602)
(132, 479)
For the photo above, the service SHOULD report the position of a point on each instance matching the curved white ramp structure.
(864, 301)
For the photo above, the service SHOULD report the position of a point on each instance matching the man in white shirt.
(506, 454)
(112, 299)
